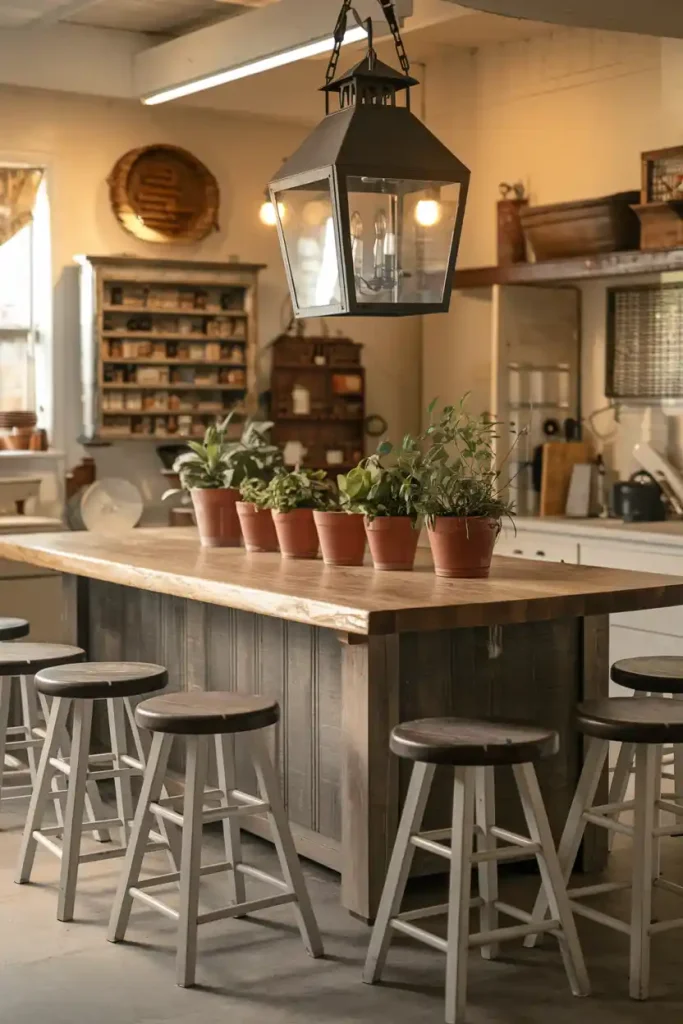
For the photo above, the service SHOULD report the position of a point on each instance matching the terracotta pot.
(462, 546)
(342, 537)
(393, 542)
(296, 533)
(258, 528)
(216, 515)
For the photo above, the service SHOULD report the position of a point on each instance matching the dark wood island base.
(348, 653)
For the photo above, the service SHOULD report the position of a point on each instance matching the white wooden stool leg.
(575, 826)
(225, 761)
(399, 869)
(29, 714)
(41, 791)
(487, 871)
(648, 767)
(170, 832)
(620, 779)
(459, 895)
(678, 762)
(5, 698)
(269, 787)
(151, 789)
(551, 877)
(75, 807)
(119, 747)
(195, 779)
(656, 814)
(93, 802)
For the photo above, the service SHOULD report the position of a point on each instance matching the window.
(20, 261)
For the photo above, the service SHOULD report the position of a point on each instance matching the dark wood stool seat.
(13, 629)
(90, 680)
(650, 720)
(25, 659)
(462, 741)
(207, 714)
(650, 675)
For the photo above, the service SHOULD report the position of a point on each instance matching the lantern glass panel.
(306, 218)
(401, 237)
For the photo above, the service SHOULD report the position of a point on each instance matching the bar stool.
(18, 662)
(473, 748)
(198, 716)
(647, 724)
(79, 686)
(647, 677)
(13, 629)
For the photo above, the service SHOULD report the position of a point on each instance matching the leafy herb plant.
(458, 472)
(219, 462)
(387, 483)
(287, 491)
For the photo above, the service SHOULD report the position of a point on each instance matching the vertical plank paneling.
(595, 685)
(328, 767)
(300, 682)
(272, 683)
(370, 797)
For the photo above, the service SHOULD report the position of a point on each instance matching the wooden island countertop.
(353, 600)
(348, 653)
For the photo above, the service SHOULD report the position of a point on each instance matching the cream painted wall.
(568, 113)
(79, 139)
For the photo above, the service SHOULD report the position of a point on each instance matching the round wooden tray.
(164, 194)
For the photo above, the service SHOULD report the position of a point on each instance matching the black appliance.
(639, 499)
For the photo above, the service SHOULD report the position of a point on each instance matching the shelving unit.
(579, 268)
(329, 373)
(167, 347)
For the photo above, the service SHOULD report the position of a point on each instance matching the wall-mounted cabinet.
(166, 346)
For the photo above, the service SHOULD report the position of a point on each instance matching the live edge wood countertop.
(352, 600)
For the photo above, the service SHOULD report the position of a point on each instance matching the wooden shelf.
(158, 336)
(109, 386)
(579, 268)
(129, 413)
(314, 366)
(175, 362)
(160, 311)
(320, 419)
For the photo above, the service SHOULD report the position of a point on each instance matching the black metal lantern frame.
(373, 153)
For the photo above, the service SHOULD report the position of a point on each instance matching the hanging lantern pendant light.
(374, 201)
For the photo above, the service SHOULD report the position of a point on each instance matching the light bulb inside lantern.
(428, 212)
(267, 213)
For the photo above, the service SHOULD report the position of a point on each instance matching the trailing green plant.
(218, 462)
(387, 483)
(298, 488)
(458, 471)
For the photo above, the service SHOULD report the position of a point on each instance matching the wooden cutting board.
(559, 458)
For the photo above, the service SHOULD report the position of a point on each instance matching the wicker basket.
(584, 228)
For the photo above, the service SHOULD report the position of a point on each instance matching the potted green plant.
(213, 470)
(256, 520)
(292, 497)
(461, 497)
(341, 531)
(385, 488)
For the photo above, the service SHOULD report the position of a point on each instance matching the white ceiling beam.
(64, 10)
(648, 17)
(220, 53)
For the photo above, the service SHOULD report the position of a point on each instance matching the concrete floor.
(255, 971)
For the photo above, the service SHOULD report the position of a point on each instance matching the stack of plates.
(20, 420)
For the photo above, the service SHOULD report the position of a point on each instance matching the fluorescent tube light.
(255, 67)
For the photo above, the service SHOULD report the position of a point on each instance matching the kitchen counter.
(348, 653)
(669, 532)
(354, 600)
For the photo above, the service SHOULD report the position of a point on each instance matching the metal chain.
(340, 30)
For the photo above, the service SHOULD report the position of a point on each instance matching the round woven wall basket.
(164, 194)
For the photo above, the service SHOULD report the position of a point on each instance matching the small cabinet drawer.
(540, 547)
